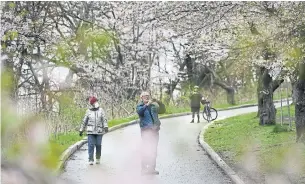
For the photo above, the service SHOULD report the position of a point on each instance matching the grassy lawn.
(273, 147)
(222, 106)
(67, 139)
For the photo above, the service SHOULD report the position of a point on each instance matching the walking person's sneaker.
(149, 172)
(154, 172)
(91, 162)
(192, 121)
(98, 161)
(198, 121)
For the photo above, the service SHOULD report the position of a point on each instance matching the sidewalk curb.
(252, 105)
(215, 157)
(73, 148)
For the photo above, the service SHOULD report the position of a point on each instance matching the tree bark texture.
(266, 108)
(230, 91)
(299, 95)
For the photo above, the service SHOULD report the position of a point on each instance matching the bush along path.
(259, 154)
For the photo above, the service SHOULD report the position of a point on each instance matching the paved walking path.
(180, 158)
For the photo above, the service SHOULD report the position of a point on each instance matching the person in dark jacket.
(150, 126)
(95, 122)
(196, 100)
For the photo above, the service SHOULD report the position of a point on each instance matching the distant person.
(147, 110)
(196, 99)
(96, 125)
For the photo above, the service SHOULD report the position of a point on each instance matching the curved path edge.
(216, 158)
(73, 148)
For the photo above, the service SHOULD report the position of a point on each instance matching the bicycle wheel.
(214, 114)
(210, 114)
(205, 114)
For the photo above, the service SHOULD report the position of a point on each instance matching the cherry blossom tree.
(111, 49)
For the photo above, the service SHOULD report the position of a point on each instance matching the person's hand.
(106, 129)
(80, 133)
(149, 102)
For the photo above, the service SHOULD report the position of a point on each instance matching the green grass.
(274, 146)
(285, 111)
(64, 140)
(222, 106)
(115, 122)
(171, 109)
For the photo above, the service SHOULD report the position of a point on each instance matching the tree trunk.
(266, 108)
(170, 88)
(231, 96)
(293, 78)
(230, 91)
(299, 94)
(215, 79)
(190, 68)
(161, 86)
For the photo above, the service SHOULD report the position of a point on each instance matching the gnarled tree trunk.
(230, 91)
(219, 82)
(231, 96)
(299, 95)
(190, 68)
(266, 108)
(265, 89)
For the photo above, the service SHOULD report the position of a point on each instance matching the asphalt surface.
(180, 158)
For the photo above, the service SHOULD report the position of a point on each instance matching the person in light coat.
(96, 125)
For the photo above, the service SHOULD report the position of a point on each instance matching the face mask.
(96, 105)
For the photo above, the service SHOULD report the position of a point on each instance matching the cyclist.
(196, 99)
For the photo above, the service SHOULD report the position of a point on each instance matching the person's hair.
(144, 93)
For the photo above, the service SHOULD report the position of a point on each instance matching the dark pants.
(195, 110)
(94, 141)
(150, 139)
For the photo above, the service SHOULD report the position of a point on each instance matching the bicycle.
(209, 113)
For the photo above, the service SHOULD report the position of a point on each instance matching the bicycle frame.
(207, 107)
(207, 112)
